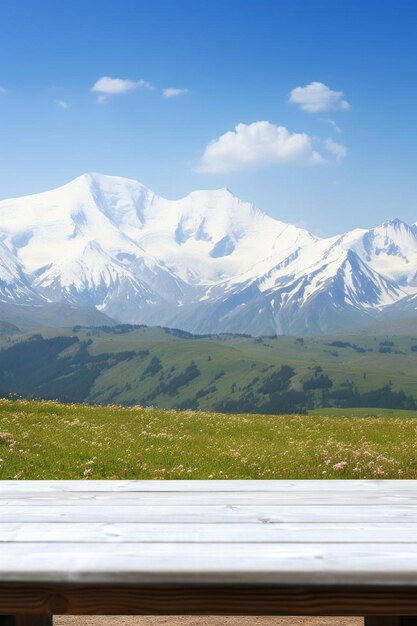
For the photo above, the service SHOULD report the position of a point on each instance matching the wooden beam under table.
(391, 620)
(25, 620)
(374, 602)
(46, 620)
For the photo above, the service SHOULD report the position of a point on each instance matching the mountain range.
(207, 263)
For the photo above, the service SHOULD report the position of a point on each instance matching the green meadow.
(49, 440)
(170, 369)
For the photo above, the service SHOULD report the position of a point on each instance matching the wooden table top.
(355, 533)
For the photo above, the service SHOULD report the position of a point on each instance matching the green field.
(47, 440)
(131, 365)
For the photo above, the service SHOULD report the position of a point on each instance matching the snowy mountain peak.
(103, 181)
(396, 224)
(208, 262)
(219, 193)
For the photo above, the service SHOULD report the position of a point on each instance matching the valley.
(152, 366)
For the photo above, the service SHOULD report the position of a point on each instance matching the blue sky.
(331, 156)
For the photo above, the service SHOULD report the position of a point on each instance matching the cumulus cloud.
(173, 92)
(336, 149)
(260, 143)
(62, 104)
(317, 97)
(106, 86)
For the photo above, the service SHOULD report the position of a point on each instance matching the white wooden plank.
(211, 513)
(347, 532)
(180, 498)
(355, 486)
(337, 563)
(95, 532)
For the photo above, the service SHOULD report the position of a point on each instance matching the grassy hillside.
(131, 365)
(47, 440)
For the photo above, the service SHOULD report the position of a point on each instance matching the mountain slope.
(390, 249)
(208, 262)
(126, 364)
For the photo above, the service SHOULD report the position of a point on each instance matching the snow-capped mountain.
(206, 263)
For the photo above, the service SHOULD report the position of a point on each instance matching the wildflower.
(340, 466)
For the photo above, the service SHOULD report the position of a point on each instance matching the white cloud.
(107, 86)
(3, 91)
(172, 92)
(332, 123)
(260, 143)
(336, 149)
(62, 104)
(318, 97)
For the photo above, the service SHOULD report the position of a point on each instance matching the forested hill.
(131, 365)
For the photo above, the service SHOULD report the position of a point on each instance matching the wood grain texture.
(188, 563)
(212, 513)
(211, 600)
(257, 532)
(208, 547)
(183, 498)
